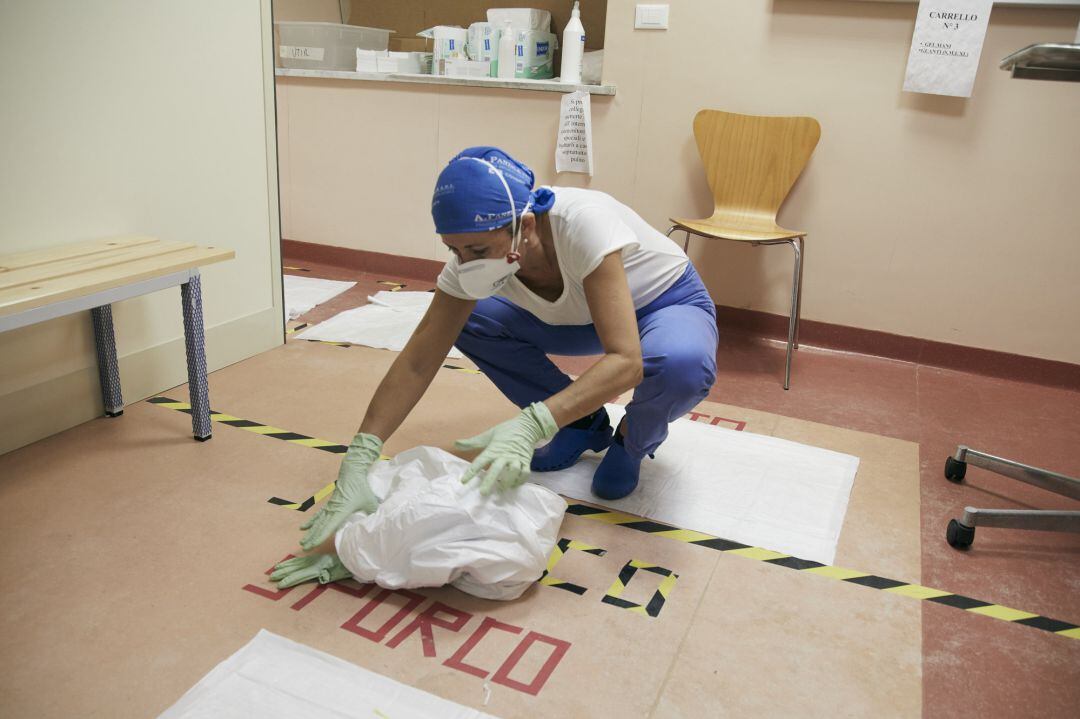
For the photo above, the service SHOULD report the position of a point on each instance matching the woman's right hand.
(322, 568)
(351, 494)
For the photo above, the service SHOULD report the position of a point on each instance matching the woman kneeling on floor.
(553, 270)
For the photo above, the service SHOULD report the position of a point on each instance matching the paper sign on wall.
(573, 148)
(946, 46)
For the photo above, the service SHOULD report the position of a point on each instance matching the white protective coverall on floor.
(431, 529)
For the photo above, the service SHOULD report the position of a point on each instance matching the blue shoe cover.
(569, 443)
(617, 475)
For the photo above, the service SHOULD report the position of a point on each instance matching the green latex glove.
(352, 493)
(324, 568)
(508, 448)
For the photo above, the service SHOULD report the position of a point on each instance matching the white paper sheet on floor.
(431, 529)
(386, 323)
(272, 677)
(303, 293)
(749, 488)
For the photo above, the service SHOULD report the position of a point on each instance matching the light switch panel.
(651, 17)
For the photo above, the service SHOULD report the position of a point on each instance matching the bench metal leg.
(195, 343)
(108, 367)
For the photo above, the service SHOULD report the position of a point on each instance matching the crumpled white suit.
(431, 529)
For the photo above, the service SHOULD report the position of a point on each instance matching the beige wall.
(309, 10)
(136, 117)
(948, 219)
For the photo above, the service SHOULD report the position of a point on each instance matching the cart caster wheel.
(959, 536)
(955, 471)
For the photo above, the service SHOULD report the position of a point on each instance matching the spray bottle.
(573, 47)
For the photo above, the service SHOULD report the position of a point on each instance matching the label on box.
(295, 52)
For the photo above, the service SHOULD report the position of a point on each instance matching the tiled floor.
(971, 666)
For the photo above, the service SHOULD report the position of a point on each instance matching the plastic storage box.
(326, 45)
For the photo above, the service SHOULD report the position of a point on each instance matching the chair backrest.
(750, 161)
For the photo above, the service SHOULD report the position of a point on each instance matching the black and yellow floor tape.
(689, 536)
(562, 547)
(268, 431)
(913, 591)
(256, 427)
(652, 609)
(613, 595)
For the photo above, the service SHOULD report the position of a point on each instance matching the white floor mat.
(386, 323)
(275, 678)
(303, 293)
(749, 488)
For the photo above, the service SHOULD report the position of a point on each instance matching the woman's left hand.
(508, 448)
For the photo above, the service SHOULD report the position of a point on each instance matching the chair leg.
(686, 242)
(798, 300)
(793, 319)
(960, 533)
(195, 343)
(108, 367)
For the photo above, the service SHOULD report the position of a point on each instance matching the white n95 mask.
(480, 279)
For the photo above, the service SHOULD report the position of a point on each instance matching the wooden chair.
(751, 163)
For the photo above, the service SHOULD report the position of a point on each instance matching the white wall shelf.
(1065, 4)
(540, 85)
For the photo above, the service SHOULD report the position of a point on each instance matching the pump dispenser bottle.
(573, 47)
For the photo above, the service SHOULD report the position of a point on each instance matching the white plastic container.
(573, 48)
(505, 69)
(326, 45)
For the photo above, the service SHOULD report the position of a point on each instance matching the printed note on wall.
(946, 46)
(573, 147)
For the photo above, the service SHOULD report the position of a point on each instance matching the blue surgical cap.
(470, 197)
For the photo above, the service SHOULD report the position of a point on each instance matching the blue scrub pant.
(678, 346)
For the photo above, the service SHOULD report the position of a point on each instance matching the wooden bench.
(45, 284)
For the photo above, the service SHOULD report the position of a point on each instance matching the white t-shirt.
(587, 226)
